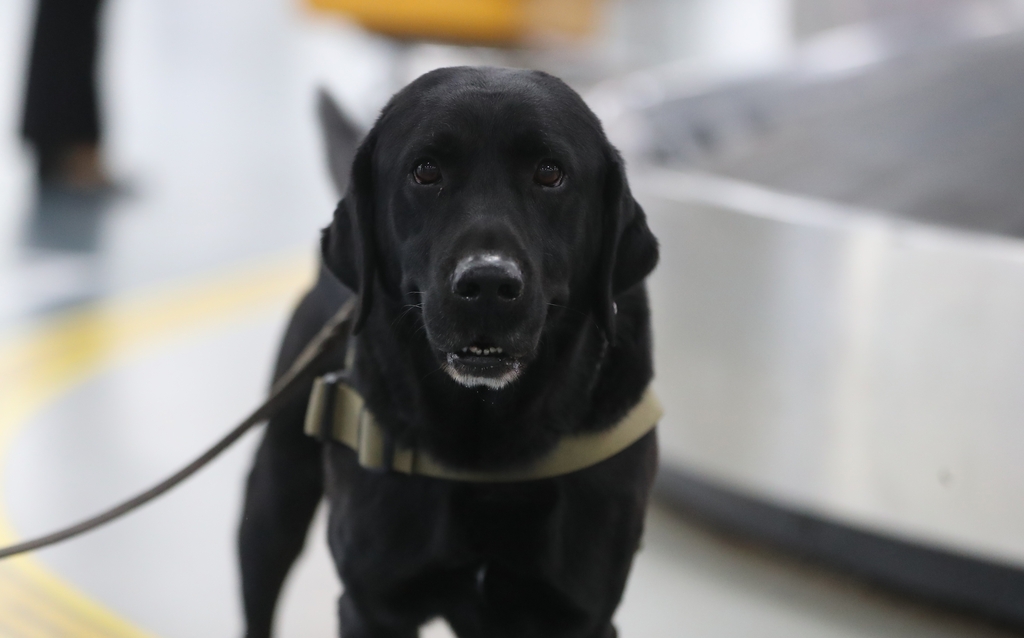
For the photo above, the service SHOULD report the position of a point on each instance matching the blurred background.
(838, 187)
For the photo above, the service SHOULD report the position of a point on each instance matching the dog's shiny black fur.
(544, 558)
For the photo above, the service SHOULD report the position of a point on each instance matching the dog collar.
(338, 412)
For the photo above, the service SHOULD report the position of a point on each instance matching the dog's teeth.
(482, 352)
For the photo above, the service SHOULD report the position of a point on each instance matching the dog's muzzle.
(488, 293)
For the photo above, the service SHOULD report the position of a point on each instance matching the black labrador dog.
(499, 260)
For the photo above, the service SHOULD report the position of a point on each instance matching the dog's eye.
(426, 172)
(548, 174)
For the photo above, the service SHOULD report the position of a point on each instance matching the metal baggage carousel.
(840, 313)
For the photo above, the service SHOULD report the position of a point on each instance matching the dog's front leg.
(282, 494)
(286, 481)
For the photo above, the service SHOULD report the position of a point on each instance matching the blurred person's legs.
(61, 119)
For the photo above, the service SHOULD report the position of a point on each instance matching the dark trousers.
(60, 101)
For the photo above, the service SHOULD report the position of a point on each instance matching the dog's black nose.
(486, 277)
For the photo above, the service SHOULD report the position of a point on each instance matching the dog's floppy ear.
(347, 245)
(629, 251)
(341, 138)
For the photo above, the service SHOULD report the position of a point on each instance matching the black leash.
(334, 331)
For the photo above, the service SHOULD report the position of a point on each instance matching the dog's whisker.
(407, 309)
(433, 372)
(579, 312)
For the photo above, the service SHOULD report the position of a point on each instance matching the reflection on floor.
(134, 330)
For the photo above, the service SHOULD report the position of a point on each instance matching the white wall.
(729, 32)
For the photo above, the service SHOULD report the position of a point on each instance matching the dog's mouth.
(482, 364)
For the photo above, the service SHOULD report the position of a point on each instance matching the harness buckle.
(337, 413)
(322, 405)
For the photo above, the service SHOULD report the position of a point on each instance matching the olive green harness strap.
(338, 412)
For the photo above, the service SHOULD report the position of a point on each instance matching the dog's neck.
(578, 381)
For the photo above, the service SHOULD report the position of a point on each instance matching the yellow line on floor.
(39, 363)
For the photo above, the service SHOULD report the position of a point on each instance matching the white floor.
(211, 129)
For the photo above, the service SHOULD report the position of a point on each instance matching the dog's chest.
(399, 514)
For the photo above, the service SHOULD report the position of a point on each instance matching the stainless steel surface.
(833, 358)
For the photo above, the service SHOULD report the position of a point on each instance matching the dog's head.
(491, 202)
